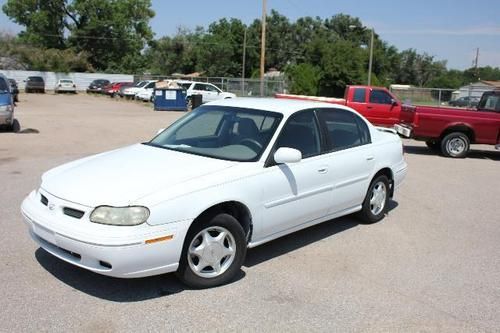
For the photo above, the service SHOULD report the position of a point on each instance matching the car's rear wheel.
(455, 145)
(213, 252)
(376, 201)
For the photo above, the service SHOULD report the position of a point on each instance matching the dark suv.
(34, 84)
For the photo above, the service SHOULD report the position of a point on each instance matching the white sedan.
(65, 85)
(231, 175)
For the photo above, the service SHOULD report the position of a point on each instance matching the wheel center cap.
(213, 253)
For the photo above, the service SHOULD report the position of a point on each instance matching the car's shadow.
(473, 153)
(140, 289)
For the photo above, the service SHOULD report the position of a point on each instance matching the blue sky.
(447, 29)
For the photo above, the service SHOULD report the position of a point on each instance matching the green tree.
(112, 33)
(304, 79)
(44, 21)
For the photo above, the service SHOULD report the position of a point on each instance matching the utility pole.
(263, 48)
(370, 61)
(476, 64)
(243, 65)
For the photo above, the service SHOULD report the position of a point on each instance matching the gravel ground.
(432, 265)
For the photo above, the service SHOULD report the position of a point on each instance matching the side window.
(302, 133)
(211, 88)
(380, 97)
(199, 86)
(359, 95)
(344, 129)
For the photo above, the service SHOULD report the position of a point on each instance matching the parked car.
(130, 92)
(122, 88)
(65, 85)
(113, 88)
(231, 175)
(208, 91)
(377, 104)
(34, 84)
(452, 131)
(145, 94)
(465, 101)
(97, 86)
(6, 104)
(14, 90)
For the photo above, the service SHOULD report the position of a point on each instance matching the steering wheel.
(251, 143)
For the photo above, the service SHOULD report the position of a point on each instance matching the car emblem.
(52, 206)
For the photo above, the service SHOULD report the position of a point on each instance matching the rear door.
(349, 149)
(357, 98)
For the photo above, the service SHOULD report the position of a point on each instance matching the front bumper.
(404, 130)
(109, 250)
(6, 117)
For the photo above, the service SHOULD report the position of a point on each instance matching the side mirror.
(160, 130)
(394, 102)
(287, 155)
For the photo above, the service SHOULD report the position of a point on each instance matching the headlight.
(6, 108)
(132, 215)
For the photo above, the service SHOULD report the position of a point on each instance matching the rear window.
(35, 79)
(359, 95)
(65, 81)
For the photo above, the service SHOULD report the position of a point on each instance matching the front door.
(300, 192)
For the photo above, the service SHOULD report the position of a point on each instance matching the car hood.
(120, 177)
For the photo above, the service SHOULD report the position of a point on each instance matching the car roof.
(281, 105)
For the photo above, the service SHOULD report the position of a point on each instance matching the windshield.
(4, 87)
(35, 79)
(65, 81)
(226, 133)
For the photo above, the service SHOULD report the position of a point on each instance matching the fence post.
(439, 99)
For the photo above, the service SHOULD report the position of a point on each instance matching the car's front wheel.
(213, 252)
(376, 201)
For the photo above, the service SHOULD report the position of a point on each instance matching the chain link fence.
(238, 86)
(467, 96)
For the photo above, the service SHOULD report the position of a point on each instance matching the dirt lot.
(432, 265)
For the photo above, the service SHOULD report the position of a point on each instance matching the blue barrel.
(170, 99)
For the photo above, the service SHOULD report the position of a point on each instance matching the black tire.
(187, 275)
(433, 145)
(455, 145)
(369, 214)
(15, 127)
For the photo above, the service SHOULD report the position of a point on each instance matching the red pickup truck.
(376, 104)
(452, 130)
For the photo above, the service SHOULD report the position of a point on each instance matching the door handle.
(370, 158)
(323, 169)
